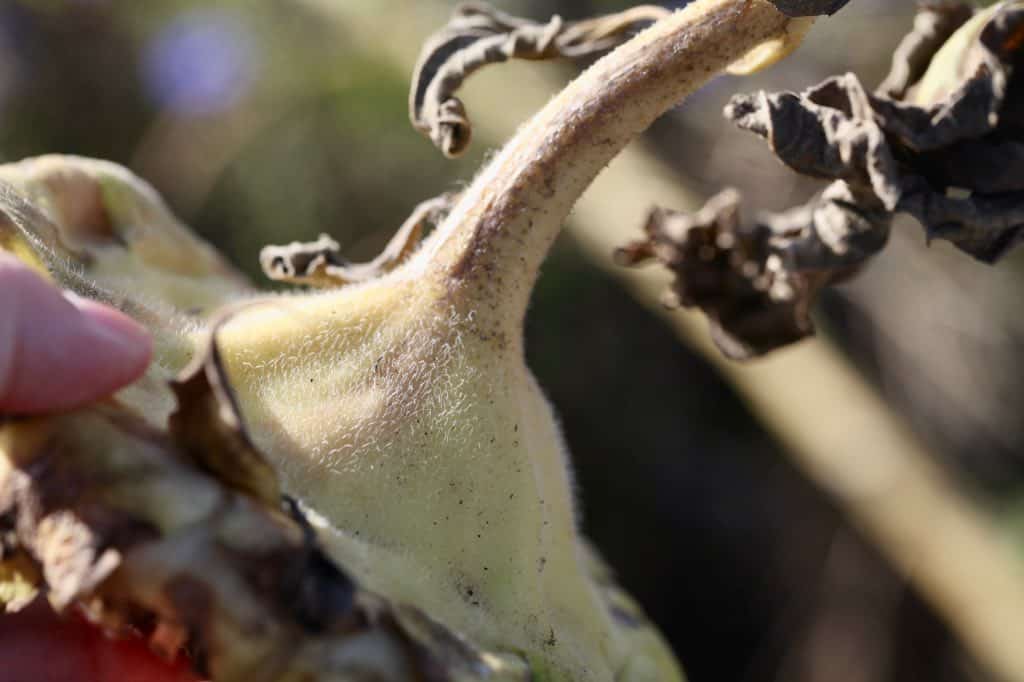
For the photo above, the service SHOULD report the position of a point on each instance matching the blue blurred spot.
(15, 27)
(201, 63)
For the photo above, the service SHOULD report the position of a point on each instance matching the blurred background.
(275, 121)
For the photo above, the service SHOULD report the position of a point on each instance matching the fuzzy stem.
(489, 250)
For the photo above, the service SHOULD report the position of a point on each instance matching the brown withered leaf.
(320, 263)
(946, 148)
(752, 280)
(478, 35)
(942, 140)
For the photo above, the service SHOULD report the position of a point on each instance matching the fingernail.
(117, 336)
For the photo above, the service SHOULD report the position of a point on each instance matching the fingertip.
(59, 351)
(128, 344)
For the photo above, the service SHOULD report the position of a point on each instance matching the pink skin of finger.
(59, 351)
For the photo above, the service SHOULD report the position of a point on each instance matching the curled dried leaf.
(941, 140)
(755, 282)
(478, 35)
(949, 151)
(320, 263)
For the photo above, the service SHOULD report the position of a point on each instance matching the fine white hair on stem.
(490, 248)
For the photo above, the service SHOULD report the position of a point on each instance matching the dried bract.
(942, 140)
(320, 263)
(478, 35)
(755, 282)
(946, 147)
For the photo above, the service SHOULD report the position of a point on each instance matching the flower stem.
(489, 250)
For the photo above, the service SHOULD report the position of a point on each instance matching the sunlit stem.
(489, 250)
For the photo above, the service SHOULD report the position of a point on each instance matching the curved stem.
(489, 250)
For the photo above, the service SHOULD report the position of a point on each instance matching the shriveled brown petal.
(986, 226)
(833, 234)
(951, 154)
(478, 35)
(755, 282)
(827, 131)
(909, 157)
